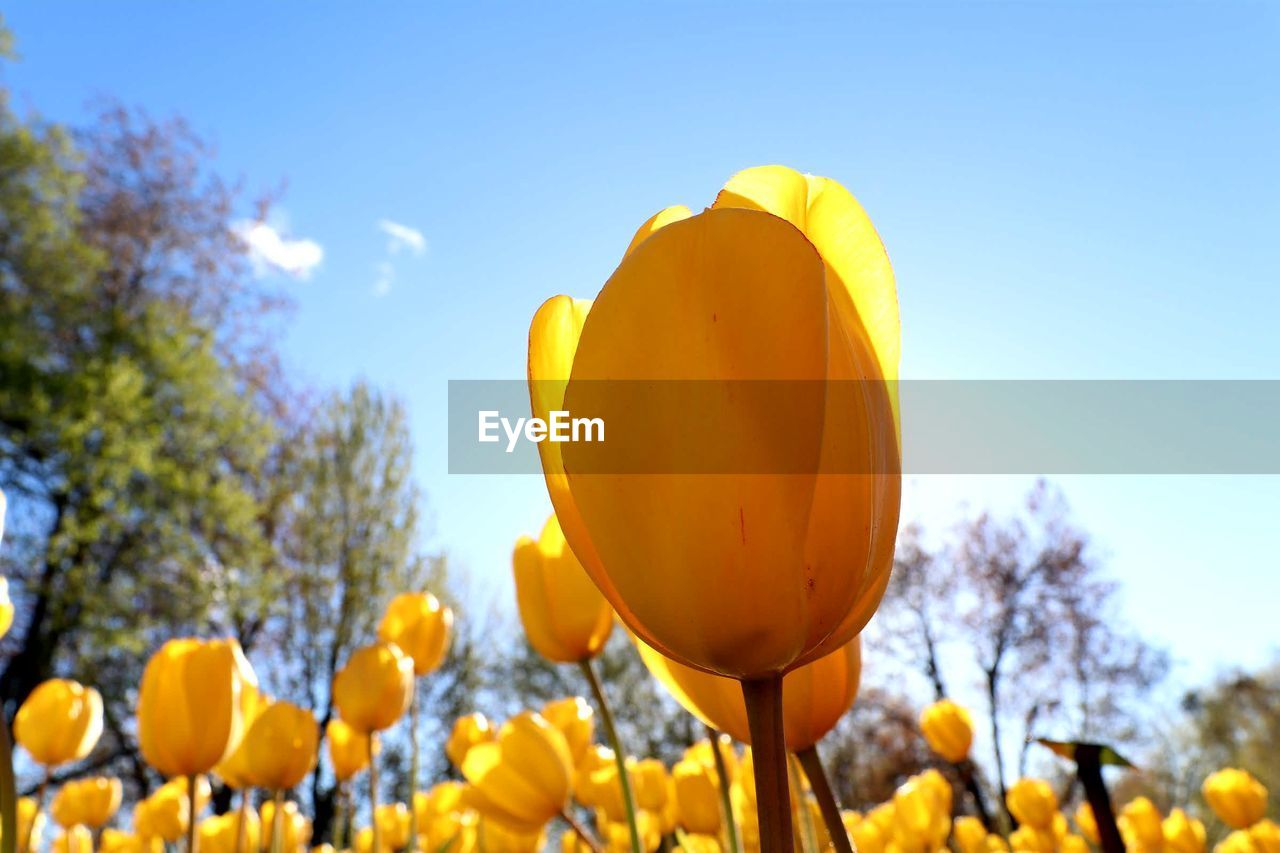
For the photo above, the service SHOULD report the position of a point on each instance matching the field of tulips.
(743, 594)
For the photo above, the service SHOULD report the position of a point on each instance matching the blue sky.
(1066, 191)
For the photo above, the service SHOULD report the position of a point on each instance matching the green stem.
(193, 835)
(763, 697)
(808, 833)
(8, 794)
(412, 843)
(373, 792)
(340, 798)
(277, 821)
(619, 754)
(817, 777)
(726, 801)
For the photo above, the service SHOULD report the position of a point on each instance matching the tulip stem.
(726, 802)
(821, 786)
(341, 805)
(763, 697)
(619, 754)
(277, 821)
(241, 835)
(373, 792)
(8, 794)
(413, 769)
(193, 835)
(581, 831)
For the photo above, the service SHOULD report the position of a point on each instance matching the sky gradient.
(1066, 191)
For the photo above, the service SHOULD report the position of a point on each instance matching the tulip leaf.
(1107, 756)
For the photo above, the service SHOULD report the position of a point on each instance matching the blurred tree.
(1019, 608)
(134, 414)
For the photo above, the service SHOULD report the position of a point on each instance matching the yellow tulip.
(30, 825)
(324, 848)
(754, 572)
(60, 721)
(374, 689)
(1182, 834)
(1086, 824)
(650, 779)
(393, 823)
(6, 606)
(694, 842)
(1032, 802)
(444, 819)
(969, 834)
(166, 814)
(522, 779)
(234, 769)
(282, 746)
(617, 833)
(700, 752)
(948, 729)
(1266, 836)
(1072, 843)
(698, 796)
(119, 841)
(607, 796)
(467, 731)
(1032, 840)
(814, 696)
(1238, 799)
(88, 802)
(922, 810)
(565, 617)
(189, 705)
(587, 777)
(494, 836)
(77, 839)
(1240, 841)
(220, 833)
(866, 835)
(295, 829)
(364, 842)
(421, 626)
(348, 749)
(575, 720)
(1140, 824)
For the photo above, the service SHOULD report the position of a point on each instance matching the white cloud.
(386, 277)
(402, 237)
(270, 251)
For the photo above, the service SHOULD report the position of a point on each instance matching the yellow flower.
(969, 834)
(166, 813)
(698, 796)
(523, 778)
(119, 841)
(443, 818)
(468, 731)
(282, 746)
(1071, 843)
(88, 802)
(1266, 836)
(189, 705)
(234, 769)
(922, 810)
(814, 696)
(30, 824)
(1182, 834)
(6, 606)
(1238, 799)
(1031, 840)
(348, 749)
(649, 778)
(1240, 841)
(393, 824)
(948, 728)
(752, 572)
(421, 626)
(866, 835)
(77, 839)
(373, 690)
(1140, 824)
(60, 721)
(1086, 824)
(565, 617)
(295, 829)
(1033, 803)
(493, 836)
(575, 720)
(220, 833)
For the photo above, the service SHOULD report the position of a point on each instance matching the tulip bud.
(119, 841)
(281, 746)
(373, 690)
(420, 625)
(443, 818)
(1086, 824)
(468, 731)
(6, 608)
(30, 825)
(393, 823)
(221, 833)
(189, 705)
(1182, 834)
(60, 721)
(234, 769)
(565, 617)
(1140, 824)
(521, 780)
(948, 729)
(698, 796)
(295, 829)
(166, 813)
(348, 749)
(650, 781)
(1033, 803)
(87, 802)
(1266, 836)
(77, 839)
(494, 836)
(969, 834)
(575, 720)
(1238, 799)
